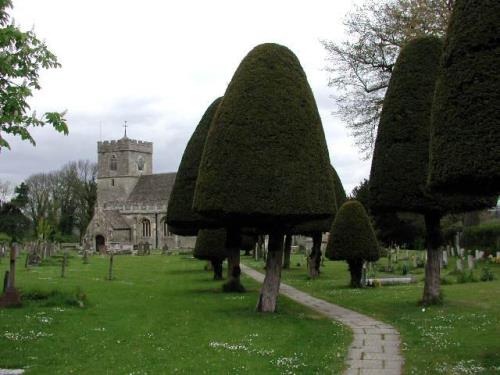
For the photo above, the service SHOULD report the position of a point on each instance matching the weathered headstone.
(445, 259)
(470, 262)
(460, 265)
(110, 270)
(11, 297)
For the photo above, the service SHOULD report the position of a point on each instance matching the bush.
(466, 277)
(486, 274)
(485, 237)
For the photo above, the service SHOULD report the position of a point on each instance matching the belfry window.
(146, 228)
(113, 164)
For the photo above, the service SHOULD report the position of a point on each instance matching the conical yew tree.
(465, 141)
(211, 245)
(400, 161)
(352, 239)
(315, 229)
(265, 163)
(181, 218)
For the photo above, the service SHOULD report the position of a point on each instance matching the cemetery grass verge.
(160, 314)
(459, 337)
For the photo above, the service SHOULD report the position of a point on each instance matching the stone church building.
(131, 201)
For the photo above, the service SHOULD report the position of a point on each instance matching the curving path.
(376, 346)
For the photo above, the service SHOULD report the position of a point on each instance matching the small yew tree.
(265, 163)
(400, 161)
(465, 151)
(353, 239)
(211, 245)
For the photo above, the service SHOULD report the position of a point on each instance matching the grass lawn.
(460, 337)
(160, 315)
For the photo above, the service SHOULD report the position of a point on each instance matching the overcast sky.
(158, 65)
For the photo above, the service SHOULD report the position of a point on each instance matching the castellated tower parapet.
(120, 163)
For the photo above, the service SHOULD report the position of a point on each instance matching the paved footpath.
(376, 346)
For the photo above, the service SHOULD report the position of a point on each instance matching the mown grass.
(462, 336)
(159, 315)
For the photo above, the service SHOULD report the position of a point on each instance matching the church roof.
(153, 189)
(114, 218)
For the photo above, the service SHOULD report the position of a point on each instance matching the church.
(131, 202)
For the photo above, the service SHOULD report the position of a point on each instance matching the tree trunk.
(356, 270)
(233, 242)
(315, 256)
(260, 247)
(217, 268)
(271, 286)
(432, 287)
(287, 252)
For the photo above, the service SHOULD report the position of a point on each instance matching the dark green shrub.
(486, 274)
(265, 162)
(352, 239)
(210, 243)
(484, 237)
(466, 277)
(464, 155)
(181, 218)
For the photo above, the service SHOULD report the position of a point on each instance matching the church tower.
(120, 163)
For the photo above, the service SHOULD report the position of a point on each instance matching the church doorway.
(100, 244)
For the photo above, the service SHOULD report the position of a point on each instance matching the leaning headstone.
(460, 265)
(470, 262)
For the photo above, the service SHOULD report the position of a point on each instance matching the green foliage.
(352, 237)
(13, 222)
(265, 162)
(21, 198)
(210, 244)
(55, 298)
(340, 195)
(309, 228)
(5, 238)
(181, 218)
(399, 167)
(486, 274)
(466, 277)
(22, 55)
(485, 237)
(464, 153)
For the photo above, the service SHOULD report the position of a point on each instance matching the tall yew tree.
(265, 164)
(401, 157)
(465, 141)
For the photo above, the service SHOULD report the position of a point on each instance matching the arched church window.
(140, 163)
(146, 228)
(113, 163)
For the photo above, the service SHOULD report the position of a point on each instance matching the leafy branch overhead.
(360, 66)
(22, 55)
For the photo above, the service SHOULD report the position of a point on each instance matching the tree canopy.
(361, 65)
(181, 218)
(465, 151)
(22, 55)
(265, 162)
(352, 236)
(210, 244)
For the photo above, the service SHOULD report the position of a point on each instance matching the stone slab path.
(376, 346)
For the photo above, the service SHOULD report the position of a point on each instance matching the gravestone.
(470, 262)
(445, 259)
(11, 297)
(460, 265)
